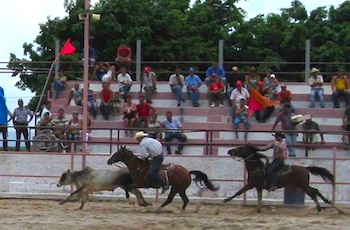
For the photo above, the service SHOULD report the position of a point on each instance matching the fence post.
(138, 60)
(221, 53)
(334, 172)
(57, 52)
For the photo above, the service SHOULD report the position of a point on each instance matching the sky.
(21, 19)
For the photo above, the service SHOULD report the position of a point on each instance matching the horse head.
(120, 155)
(242, 151)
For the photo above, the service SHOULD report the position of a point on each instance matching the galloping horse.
(177, 176)
(299, 176)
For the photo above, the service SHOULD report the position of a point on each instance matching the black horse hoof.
(225, 201)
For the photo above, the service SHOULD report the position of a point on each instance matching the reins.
(247, 158)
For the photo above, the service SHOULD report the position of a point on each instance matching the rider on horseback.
(279, 147)
(152, 148)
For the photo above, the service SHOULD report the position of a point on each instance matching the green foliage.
(174, 30)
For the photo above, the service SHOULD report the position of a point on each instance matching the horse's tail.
(202, 177)
(322, 172)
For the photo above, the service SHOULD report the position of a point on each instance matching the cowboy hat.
(314, 70)
(278, 134)
(140, 134)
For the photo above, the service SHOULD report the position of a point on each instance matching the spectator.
(154, 127)
(20, 121)
(125, 82)
(110, 75)
(289, 128)
(46, 121)
(216, 92)
(346, 124)
(272, 87)
(144, 111)
(176, 82)
(74, 127)
(173, 130)
(252, 79)
(310, 125)
(149, 80)
(235, 98)
(92, 103)
(76, 94)
(340, 88)
(193, 82)
(267, 111)
(88, 133)
(100, 70)
(59, 84)
(60, 123)
(45, 109)
(285, 97)
(241, 117)
(124, 57)
(3, 119)
(106, 104)
(129, 110)
(219, 71)
(232, 80)
(316, 83)
(92, 56)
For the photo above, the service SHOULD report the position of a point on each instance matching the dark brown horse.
(178, 177)
(299, 176)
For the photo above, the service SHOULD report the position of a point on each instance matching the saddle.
(284, 170)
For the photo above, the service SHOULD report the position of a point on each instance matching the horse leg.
(260, 203)
(140, 200)
(169, 199)
(184, 199)
(322, 197)
(312, 193)
(242, 190)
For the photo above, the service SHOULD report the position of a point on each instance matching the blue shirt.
(219, 71)
(3, 108)
(174, 125)
(193, 81)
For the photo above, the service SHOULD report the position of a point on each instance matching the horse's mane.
(254, 149)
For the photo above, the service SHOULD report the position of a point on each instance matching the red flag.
(68, 48)
(258, 102)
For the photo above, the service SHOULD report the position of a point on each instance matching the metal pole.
(307, 60)
(57, 52)
(86, 78)
(221, 53)
(138, 60)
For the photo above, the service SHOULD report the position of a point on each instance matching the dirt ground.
(48, 214)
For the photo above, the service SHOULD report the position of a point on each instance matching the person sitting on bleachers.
(235, 98)
(346, 124)
(74, 127)
(92, 103)
(193, 82)
(232, 80)
(316, 83)
(60, 123)
(241, 117)
(125, 82)
(45, 122)
(123, 57)
(59, 83)
(144, 111)
(216, 91)
(219, 71)
(129, 111)
(340, 88)
(285, 97)
(149, 81)
(311, 138)
(100, 70)
(272, 87)
(176, 82)
(106, 104)
(152, 125)
(173, 130)
(76, 94)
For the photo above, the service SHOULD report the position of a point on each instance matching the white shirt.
(236, 95)
(43, 111)
(150, 148)
(319, 79)
(123, 79)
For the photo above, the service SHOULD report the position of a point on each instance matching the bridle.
(247, 158)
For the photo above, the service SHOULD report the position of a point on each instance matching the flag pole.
(86, 80)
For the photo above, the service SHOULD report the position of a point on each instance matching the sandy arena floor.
(100, 215)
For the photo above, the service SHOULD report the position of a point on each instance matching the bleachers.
(206, 118)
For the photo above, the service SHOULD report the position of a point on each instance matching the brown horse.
(299, 176)
(177, 176)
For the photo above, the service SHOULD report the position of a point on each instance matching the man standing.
(279, 155)
(176, 82)
(3, 118)
(20, 121)
(152, 148)
(316, 83)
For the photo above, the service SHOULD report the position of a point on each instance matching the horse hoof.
(61, 202)
(225, 201)
(157, 209)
